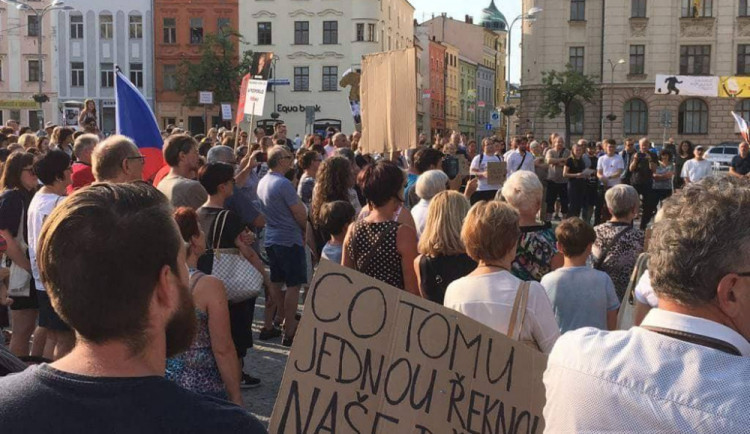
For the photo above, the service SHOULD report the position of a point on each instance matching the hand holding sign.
(496, 172)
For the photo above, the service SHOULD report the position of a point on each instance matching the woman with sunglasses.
(18, 183)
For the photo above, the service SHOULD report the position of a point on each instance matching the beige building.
(451, 87)
(650, 37)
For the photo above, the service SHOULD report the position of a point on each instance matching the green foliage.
(562, 89)
(217, 70)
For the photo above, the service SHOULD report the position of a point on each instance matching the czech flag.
(136, 121)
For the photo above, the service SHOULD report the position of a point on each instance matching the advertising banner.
(734, 87)
(687, 85)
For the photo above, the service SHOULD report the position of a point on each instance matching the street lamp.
(611, 116)
(530, 15)
(40, 13)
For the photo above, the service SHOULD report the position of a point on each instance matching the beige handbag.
(518, 315)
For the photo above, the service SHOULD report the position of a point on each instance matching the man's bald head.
(111, 160)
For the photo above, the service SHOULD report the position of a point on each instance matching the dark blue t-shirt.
(44, 400)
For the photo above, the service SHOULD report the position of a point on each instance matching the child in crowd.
(336, 217)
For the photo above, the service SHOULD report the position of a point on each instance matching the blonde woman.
(27, 141)
(442, 256)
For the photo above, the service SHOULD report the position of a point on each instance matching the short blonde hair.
(442, 231)
(523, 191)
(27, 140)
(491, 231)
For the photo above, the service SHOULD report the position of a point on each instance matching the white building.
(314, 43)
(91, 40)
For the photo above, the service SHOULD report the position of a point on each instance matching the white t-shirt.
(419, 213)
(476, 166)
(695, 170)
(517, 162)
(40, 207)
(609, 166)
(489, 299)
(644, 292)
(330, 151)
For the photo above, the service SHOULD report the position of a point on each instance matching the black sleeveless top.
(385, 263)
(437, 273)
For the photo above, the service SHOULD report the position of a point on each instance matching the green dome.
(492, 18)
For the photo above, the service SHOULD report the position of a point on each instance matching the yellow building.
(452, 114)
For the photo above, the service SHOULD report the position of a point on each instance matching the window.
(136, 74)
(693, 117)
(743, 109)
(695, 60)
(696, 9)
(196, 30)
(638, 8)
(76, 27)
(744, 10)
(371, 32)
(637, 59)
(330, 78)
(301, 78)
(105, 26)
(264, 34)
(360, 32)
(576, 59)
(34, 119)
(107, 75)
(34, 70)
(577, 10)
(170, 30)
(301, 32)
(223, 25)
(636, 117)
(136, 26)
(76, 74)
(170, 77)
(743, 59)
(330, 32)
(32, 25)
(576, 118)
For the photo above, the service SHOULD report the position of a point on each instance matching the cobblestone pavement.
(266, 360)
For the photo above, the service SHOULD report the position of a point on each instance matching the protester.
(442, 256)
(490, 234)
(244, 195)
(280, 133)
(541, 168)
(581, 296)
(684, 154)
(210, 366)
(520, 159)
(663, 182)
(683, 370)
(642, 167)
(428, 185)
(609, 167)
(27, 141)
(309, 162)
(218, 180)
(478, 168)
(336, 217)
(88, 114)
(82, 173)
(333, 183)
(286, 221)
(54, 172)
(537, 253)
(698, 168)
(180, 186)
(740, 166)
(377, 245)
(62, 139)
(557, 184)
(618, 243)
(355, 193)
(627, 155)
(576, 172)
(18, 182)
(424, 160)
(129, 314)
(117, 159)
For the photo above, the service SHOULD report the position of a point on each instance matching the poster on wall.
(687, 85)
(370, 358)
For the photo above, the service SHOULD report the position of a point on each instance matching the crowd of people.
(145, 290)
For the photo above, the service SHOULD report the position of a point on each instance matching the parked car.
(722, 154)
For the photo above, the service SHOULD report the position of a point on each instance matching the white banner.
(255, 97)
(226, 112)
(205, 97)
(687, 85)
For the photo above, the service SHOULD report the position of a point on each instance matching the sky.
(458, 8)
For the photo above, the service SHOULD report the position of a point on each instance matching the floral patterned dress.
(535, 250)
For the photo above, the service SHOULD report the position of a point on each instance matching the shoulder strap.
(605, 250)
(481, 158)
(376, 246)
(519, 307)
(216, 241)
(198, 275)
(522, 160)
(696, 339)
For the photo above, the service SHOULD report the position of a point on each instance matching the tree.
(562, 90)
(218, 69)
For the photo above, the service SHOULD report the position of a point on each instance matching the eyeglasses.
(139, 157)
(745, 274)
(30, 170)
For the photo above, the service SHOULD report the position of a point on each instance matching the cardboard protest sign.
(496, 172)
(369, 358)
(388, 103)
(255, 98)
(463, 166)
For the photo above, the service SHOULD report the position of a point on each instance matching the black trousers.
(479, 196)
(648, 203)
(577, 198)
(555, 190)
